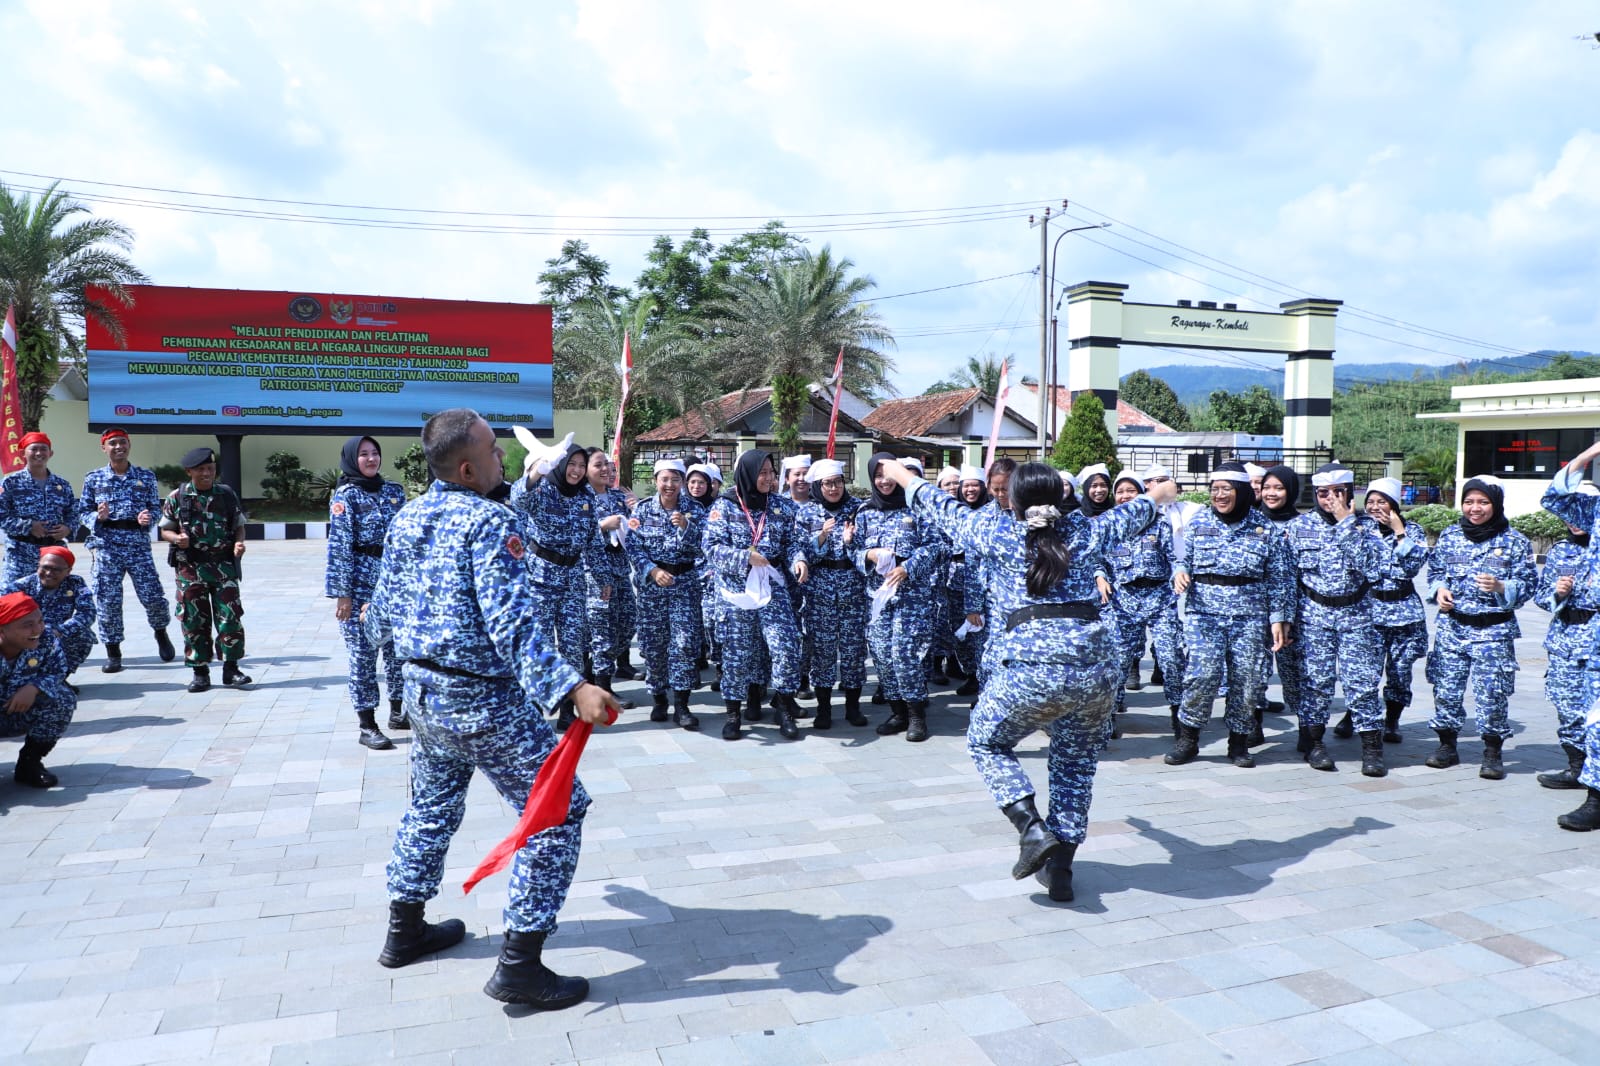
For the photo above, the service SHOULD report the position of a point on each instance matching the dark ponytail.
(1035, 485)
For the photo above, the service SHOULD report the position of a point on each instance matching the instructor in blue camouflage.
(67, 604)
(36, 508)
(454, 597)
(118, 505)
(33, 687)
(1397, 614)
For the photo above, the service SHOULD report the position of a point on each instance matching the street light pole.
(1047, 268)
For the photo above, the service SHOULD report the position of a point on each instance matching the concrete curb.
(286, 531)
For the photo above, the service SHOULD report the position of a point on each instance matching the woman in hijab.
(1236, 573)
(836, 594)
(1141, 583)
(359, 512)
(564, 549)
(703, 485)
(967, 592)
(900, 556)
(1094, 484)
(753, 549)
(613, 616)
(1397, 614)
(1480, 572)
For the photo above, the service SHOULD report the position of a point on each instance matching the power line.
(957, 285)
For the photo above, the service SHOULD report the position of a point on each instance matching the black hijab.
(1244, 497)
(892, 501)
(745, 472)
(1394, 505)
(350, 470)
(983, 494)
(1285, 476)
(1086, 502)
(818, 496)
(1497, 523)
(707, 497)
(559, 472)
(1580, 539)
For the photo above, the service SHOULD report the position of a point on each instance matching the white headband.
(796, 462)
(1155, 470)
(669, 464)
(1238, 476)
(971, 473)
(823, 469)
(1255, 471)
(708, 469)
(1326, 478)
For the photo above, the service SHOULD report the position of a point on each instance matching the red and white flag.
(11, 458)
(622, 406)
(837, 381)
(999, 411)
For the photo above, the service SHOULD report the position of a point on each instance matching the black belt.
(1145, 583)
(374, 550)
(429, 664)
(555, 557)
(1349, 600)
(1399, 595)
(1576, 616)
(676, 569)
(1482, 620)
(1082, 611)
(42, 542)
(614, 548)
(198, 554)
(1225, 579)
(834, 564)
(117, 523)
(959, 557)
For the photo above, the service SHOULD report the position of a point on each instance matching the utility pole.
(1045, 399)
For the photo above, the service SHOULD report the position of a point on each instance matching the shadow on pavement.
(78, 780)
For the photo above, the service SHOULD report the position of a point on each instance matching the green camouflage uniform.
(207, 573)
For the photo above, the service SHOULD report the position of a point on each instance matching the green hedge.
(1434, 518)
(1540, 525)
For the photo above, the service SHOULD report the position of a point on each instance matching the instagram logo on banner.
(229, 411)
(126, 410)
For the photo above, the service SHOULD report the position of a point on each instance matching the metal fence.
(1191, 464)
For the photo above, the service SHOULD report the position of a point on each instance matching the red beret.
(30, 439)
(112, 433)
(15, 605)
(56, 549)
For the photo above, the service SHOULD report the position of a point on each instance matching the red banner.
(11, 459)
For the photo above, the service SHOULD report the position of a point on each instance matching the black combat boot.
(1346, 727)
(1303, 745)
(852, 707)
(1133, 684)
(878, 698)
(1256, 737)
(1445, 754)
(681, 716)
(1318, 755)
(1567, 778)
(232, 675)
(30, 769)
(917, 722)
(1035, 842)
(787, 727)
(752, 704)
(1239, 750)
(899, 718)
(1157, 675)
(114, 658)
(398, 719)
(1391, 722)
(1492, 769)
(1056, 876)
(658, 707)
(936, 674)
(1174, 711)
(521, 977)
(202, 679)
(164, 646)
(604, 681)
(1185, 747)
(1372, 753)
(625, 668)
(824, 708)
(1584, 818)
(953, 669)
(969, 687)
(730, 728)
(371, 737)
(410, 937)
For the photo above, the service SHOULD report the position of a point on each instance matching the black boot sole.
(511, 994)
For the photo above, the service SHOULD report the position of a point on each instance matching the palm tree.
(785, 330)
(47, 259)
(665, 381)
(981, 373)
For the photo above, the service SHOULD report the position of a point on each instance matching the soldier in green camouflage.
(204, 524)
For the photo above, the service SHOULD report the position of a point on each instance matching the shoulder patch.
(514, 546)
(337, 508)
(716, 515)
(633, 523)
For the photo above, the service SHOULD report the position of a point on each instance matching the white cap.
(1155, 470)
(823, 469)
(913, 462)
(669, 464)
(1129, 475)
(1255, 471)
(708, 469)
(796, 462)
(1331, 474)
(1487, 479)
(948, 471)
(971, 473)
(1389, 486)
(1068, 480)
(1091, 470)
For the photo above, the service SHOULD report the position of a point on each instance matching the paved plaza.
(208, 887)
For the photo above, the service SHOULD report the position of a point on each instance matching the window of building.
(1534, 454)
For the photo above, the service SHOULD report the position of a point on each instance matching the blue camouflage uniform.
(24, 501)
(838, 599)
(1569, 641)
(358, 520)
(900, 637)
(455, 598)
(669, 618)
(1581, 511)
(1141, 581)
(1241, 581)
(1055, 674)
(741, 632)
(611, 621)
(1398, 617)
(122, 546)
(69, 613)
(800, 598)
(1287, 662)
(1478, 650)
(564, 548)
(45, 668)
(1335, 564)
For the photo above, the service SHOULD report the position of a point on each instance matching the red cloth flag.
(838, 392)
(548, 800)
(999, 411)
(622, 405)
(11, 457)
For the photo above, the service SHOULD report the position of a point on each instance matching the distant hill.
(1194, 384)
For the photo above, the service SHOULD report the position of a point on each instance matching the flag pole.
(622, 407)
(838, 393)
(999, 412)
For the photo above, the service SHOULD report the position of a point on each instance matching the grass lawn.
(278, 511)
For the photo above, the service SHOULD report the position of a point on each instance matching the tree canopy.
(1157, 399)
(1084, 438)
(1255, 410)
(982, 372)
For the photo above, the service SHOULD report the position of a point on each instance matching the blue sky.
(1432, 163)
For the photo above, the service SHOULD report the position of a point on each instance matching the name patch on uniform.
(514, 546)
(337, 508)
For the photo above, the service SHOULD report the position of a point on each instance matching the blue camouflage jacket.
(916, 542)
(1563, 500)
(1336, 560)
(358, 520)
(24, 501)
(1251, 550)
(828, 560)
(1563, 639)
(728, 541)
(127, 494)
(1455, 564)
(652, 538)
(613, 556)
(45, 668)
(1398, 577)
(68, 609)
(1146, 560)
(565, 525)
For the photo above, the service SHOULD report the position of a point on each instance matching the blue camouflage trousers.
(76, 648)
(1589, 777)
(1571, 687)
(1159, 615)
(899, 640)
(1291, 672)
(1489, 666)
(1351, 656)
(22, 559)
(610, 622)
(669, 634)
(47, 719)
(838, 635)
(1073, 703)
(1223, 650)
(496, 730)
(363, 659)
(1402, 647)
(561, 619)
(110, 563)
(748, 638)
